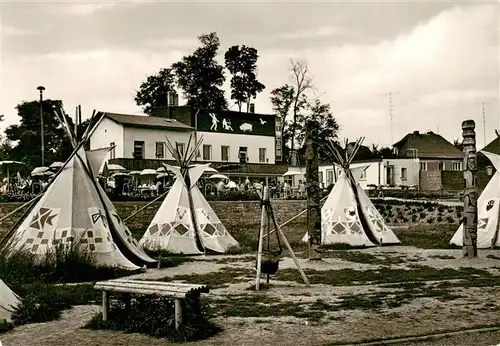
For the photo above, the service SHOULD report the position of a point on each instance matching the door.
(390, 176)
(243, 154)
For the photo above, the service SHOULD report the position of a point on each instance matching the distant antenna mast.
(390, 110)
(484, 122)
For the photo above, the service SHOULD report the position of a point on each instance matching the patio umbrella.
(114, 167)
(291, 173)
(120, 174)
(56, 165)
(148, 173)
(43, 174)
(39, 170)
(161, 169)
(218, 176)
(135, 173)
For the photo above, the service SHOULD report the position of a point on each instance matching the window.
(207, 152)
(243, 154)
(423, 166)
(262, 154)
(329, 176)
(112, 153)
(160, 150)
(457, 166)
(320, 178)
(404, 174)
(441, 166)
(363, 174)
(138, 150)
(180, 148)
(224, 153)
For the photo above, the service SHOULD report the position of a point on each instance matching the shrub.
(439, 218)
(450, 219)
(414, 217)
(430, 220)
(56, 266)
(154, 316)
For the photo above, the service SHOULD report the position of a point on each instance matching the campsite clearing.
(356, 295)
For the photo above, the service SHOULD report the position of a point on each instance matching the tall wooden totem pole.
(470, 192)
(313, 190)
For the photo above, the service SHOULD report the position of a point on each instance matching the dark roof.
(148, 122)
(493, 147)
(429, 145)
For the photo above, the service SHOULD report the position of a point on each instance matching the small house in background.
(433, 151)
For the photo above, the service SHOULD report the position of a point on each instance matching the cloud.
(6, 30)
(86, 9)
(323, 31)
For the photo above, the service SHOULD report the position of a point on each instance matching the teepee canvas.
(8, 302)
(185, 222)
(488, 203)
(74, 211)
(348, 216)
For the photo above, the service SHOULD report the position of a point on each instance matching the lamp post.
(41, 88)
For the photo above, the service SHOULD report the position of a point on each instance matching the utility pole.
(41, 88)
(390, 93)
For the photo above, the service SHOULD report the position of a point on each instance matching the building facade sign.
(235, 123)
(279, 140)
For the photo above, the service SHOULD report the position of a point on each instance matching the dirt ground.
(349, 315)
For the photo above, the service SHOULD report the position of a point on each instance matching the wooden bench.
(177, 291)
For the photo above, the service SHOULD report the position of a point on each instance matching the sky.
(439, 59)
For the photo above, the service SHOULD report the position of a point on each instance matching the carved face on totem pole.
(472, 161)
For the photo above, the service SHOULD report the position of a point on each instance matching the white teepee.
(488, 204)
(8, 302)
(185, 222)
(74, 211)
(348, 216)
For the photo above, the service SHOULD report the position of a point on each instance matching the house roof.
(429, 145)
(148, 122)
(493, 147)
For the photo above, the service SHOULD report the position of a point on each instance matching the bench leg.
(105, 306)
(178, 313)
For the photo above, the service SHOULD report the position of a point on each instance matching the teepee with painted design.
(185, 222)
(74, 211)
(348, 216)
(488, 203)
(8, 302)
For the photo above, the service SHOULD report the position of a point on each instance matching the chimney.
(173, 98)
(252, 108)
(416, 133)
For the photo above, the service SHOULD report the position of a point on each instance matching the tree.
(281, 101)
(154, 91)
(242, 64)
(383, 152)
(201, 77)
(27, 134)
(458, 144)
(303, 84)
(5, 145)
(321, 114)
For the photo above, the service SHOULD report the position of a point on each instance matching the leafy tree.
(26, 135)
(322, 116)
(242, 64)
(154, 91)
(383, 152)
(201, 77)
(5, 145)
(458, 144)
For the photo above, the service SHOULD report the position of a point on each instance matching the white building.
(245, 139)
(139, 137)
(385, 172)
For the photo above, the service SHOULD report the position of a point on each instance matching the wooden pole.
(287, 244)
(144, 207)
(470, 192)
(178, 313)
(313, 191)
(105, 305)
(265, 197)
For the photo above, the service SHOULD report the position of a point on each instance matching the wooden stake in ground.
(470, 192)
(265, 197)
(313, 191)
(266, 216)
